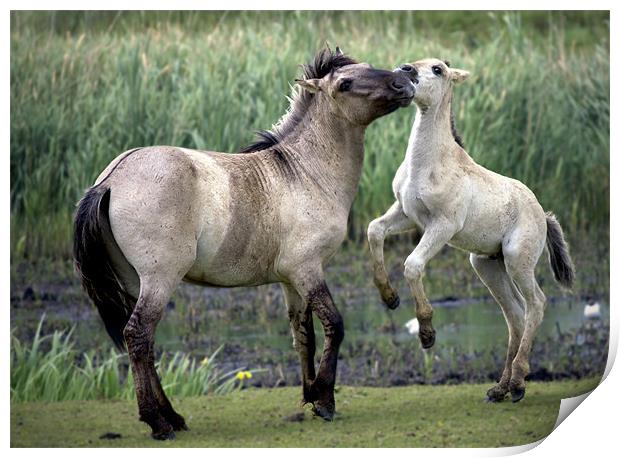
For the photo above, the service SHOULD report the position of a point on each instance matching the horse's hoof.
(393, 303)
(181, 427)
(427, 339)
(325, 412)
(517, 394)
(163, 435)
(177, 422)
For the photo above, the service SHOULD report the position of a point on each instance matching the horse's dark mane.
(324, 63)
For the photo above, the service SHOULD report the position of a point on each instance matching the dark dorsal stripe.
(324, 63)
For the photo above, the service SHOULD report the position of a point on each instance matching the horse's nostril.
(397, 85)
(406, 68)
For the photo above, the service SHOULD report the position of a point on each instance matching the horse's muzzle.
(404, 90)
(408, 71)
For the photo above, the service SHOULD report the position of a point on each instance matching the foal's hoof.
(325, 412)
(427, 338)
(516, 394)
(392, 303)
(496, 394)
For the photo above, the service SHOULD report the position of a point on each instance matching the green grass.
(415, 416)
(86, 86)
(50, 368)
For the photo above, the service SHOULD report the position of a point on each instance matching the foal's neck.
(431, 141)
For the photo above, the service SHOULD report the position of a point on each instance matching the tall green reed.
(536, 108)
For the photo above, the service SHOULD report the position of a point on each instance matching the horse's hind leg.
(300, 316)
(139, 336)
(165, 407)
(493, 274)
(394, 221)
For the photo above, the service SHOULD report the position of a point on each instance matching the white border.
(589, 430)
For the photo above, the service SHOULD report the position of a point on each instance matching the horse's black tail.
(93, 263)
(560, 260)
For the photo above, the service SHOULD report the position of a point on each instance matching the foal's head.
(357, 92)
(433, 79)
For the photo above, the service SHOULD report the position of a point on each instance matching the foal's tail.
(561, 263)
(93, 263)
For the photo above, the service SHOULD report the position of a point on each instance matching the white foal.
(442, 193)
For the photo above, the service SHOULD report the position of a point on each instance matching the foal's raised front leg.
(300, 316)
(434, 238)
(394, 221)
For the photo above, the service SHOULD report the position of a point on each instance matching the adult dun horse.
(444, 195)
(160, 215)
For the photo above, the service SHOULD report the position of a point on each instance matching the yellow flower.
(242, 375)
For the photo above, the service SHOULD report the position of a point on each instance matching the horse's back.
(155, 209)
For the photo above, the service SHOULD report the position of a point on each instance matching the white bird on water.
(413, 327)
(592, 310)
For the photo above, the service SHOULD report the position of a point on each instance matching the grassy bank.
(85, 87)
(416, 416)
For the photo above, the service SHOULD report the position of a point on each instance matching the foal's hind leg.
(493, 274)
(394, 221)
(300, 316)
(520, 260)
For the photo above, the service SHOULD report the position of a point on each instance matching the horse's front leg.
(394, 221)
(310, 285)
(434, 238)
(322, 389)
(302, 328)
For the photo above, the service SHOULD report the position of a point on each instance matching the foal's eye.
(436, 70)
(345, 86)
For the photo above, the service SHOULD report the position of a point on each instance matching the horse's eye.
(345, 86)
(437, 70)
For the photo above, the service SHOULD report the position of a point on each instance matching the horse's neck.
(330, 150)
(431, 142)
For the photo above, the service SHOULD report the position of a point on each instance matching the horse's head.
(359, 92)
(432, 79)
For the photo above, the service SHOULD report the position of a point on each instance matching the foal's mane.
(325, 62)
(455, 134)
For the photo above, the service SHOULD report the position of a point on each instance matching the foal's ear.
(310, 85)
(457, 75)
(339, 51)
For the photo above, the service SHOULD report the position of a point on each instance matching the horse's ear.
(339, 51)
(458, 76)
(311, 85)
